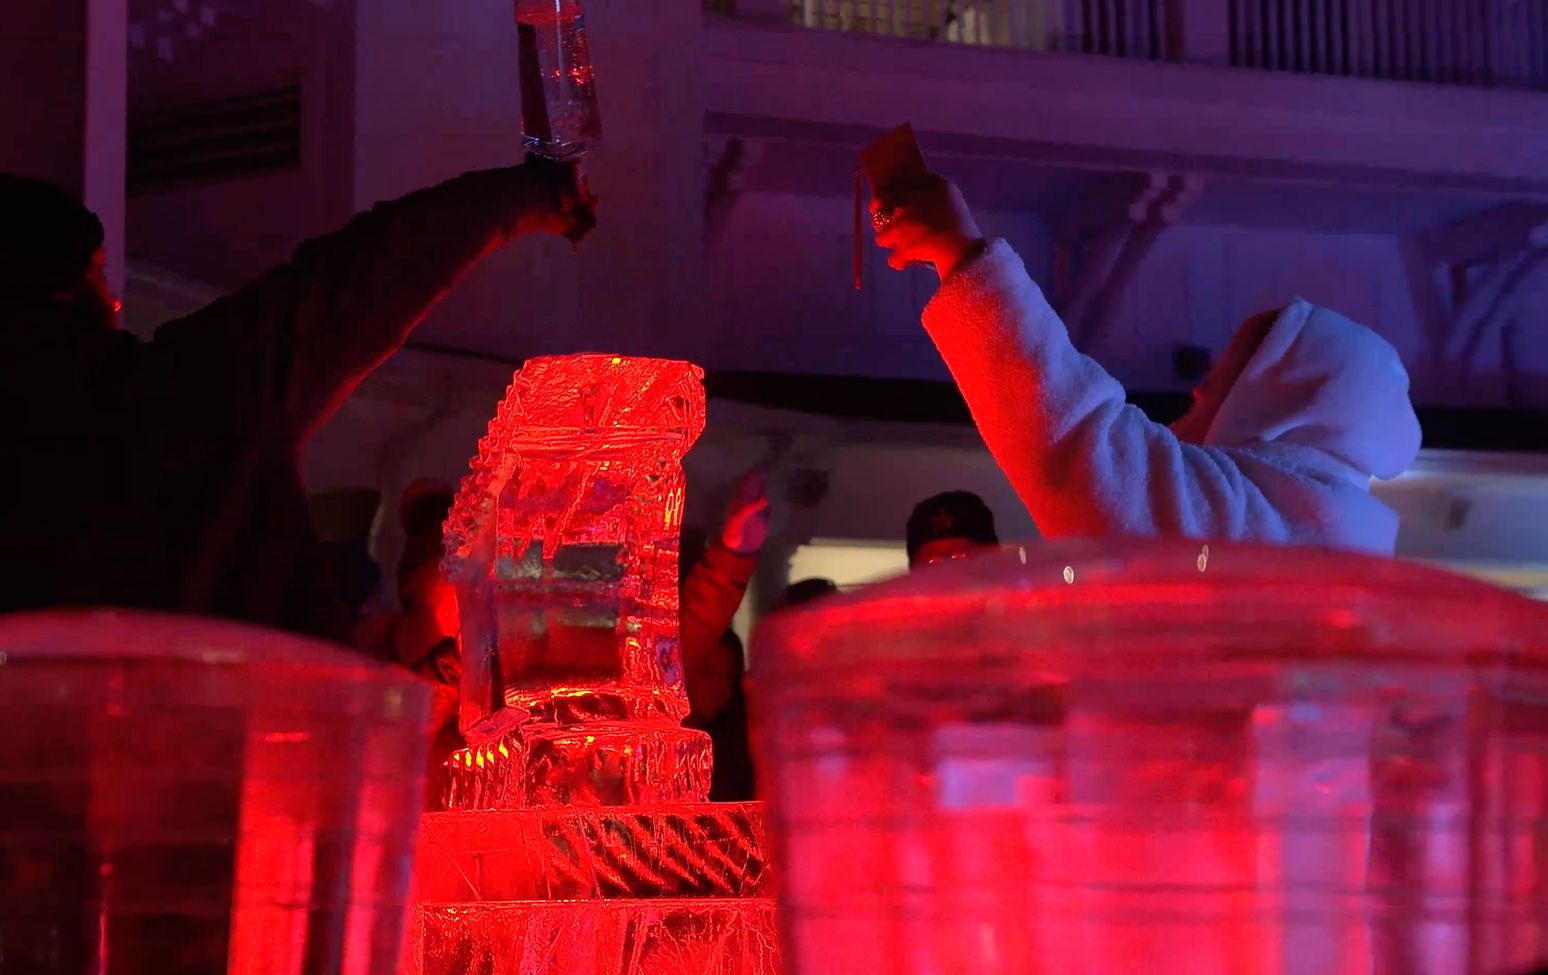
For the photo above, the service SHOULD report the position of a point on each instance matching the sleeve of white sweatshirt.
(1084, 462)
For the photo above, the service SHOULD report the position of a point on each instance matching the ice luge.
(576, 838)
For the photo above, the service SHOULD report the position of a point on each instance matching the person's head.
(423, 509)
(424, 593)
(355, 572)
(420, 584)
(1306, 378)
(51, 253)
(949, 526)
(805, 591)
(1210, 393)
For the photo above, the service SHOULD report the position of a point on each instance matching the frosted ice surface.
(578, 841)
(585, 765)
(197, 796)
(1269, 760)
(679, 850)
(602, 937)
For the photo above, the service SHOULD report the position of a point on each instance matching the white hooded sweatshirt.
(1321, 408)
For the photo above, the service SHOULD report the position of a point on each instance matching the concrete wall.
(437, 95)
(62, 78)
(781, 300)
(1200, 282)
(43, 54)
(228, 231)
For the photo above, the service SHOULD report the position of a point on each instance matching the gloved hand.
(925, 221)
(747, 517)
(564, 205)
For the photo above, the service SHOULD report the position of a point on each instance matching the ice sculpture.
(202, 797)
(576, 838)
(1164, 758)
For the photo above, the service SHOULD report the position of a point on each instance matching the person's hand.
(925, 221)
(563, 205)
(747, 517)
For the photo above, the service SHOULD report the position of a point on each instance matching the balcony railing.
(1121, 28)
(1490, 43)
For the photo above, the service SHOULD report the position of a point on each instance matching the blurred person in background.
(422, 635)
(714, 583)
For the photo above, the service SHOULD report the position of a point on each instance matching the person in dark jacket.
(163, 475)
(422, 636)
(733, 778)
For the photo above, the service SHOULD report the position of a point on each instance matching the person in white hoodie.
(1303, 409)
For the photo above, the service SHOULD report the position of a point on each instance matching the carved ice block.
(665, 936)
(576, 840)
(562, 546)
(684, 850)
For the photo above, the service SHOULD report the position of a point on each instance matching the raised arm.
(714, 588)
(1084, 462)
(298, 339)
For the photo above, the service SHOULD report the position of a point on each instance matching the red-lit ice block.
(579, 842)
(191, 796)
(657, 937)
(562, 545)
(687, 850)
(594, 763)
(1163, 758)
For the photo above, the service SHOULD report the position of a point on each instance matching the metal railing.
(1121, 28)
(1492, 43)
(1497, 43)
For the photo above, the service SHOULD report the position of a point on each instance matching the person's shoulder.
(38, 350)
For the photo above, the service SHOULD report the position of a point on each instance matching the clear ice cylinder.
(558, 91)
(201, 797)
